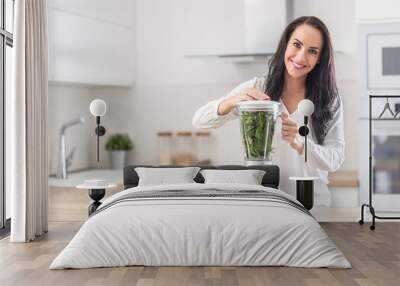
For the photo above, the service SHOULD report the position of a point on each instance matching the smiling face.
(303, 51)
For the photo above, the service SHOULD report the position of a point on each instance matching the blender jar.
(257, 127)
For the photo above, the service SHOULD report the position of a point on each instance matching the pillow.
(163, 176)
(248, 177)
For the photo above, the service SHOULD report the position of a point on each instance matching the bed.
(198, 224)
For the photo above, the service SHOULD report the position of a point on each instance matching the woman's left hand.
(289, 133)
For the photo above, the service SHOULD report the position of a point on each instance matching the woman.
(302, 67)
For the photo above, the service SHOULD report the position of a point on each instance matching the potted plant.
(119, 145)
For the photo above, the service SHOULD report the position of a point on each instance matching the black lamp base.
(305, 193)
(96, 195)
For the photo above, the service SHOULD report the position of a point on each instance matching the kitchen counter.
(344, 179)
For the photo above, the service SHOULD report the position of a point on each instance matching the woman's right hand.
(228, 104)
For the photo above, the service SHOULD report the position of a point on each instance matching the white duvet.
(200, 231)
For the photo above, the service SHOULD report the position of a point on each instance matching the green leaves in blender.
(257, 128)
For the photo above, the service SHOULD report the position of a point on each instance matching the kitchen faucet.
(65, 161)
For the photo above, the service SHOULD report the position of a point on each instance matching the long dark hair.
(321, 86)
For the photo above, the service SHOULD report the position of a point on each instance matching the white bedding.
(200, 231)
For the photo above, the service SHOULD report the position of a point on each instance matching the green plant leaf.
(257, 133)
(119, 141)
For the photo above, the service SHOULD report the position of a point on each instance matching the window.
(6, 44)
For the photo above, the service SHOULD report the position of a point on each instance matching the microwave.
(383, 61)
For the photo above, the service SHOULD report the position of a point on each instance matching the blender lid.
(258, 105)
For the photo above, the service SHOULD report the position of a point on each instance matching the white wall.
(181, 85)
(68, 101)
(163, 40)
(374, 11)
(169, 87)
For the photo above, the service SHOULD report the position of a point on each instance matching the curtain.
(26, 121)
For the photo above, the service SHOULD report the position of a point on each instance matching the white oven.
(385, 162)
(386, 165)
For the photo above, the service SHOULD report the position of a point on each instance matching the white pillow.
(163, 176)
(248, 177)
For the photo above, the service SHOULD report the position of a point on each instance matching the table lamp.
(305, 185)
(98, 108)
(306, 108)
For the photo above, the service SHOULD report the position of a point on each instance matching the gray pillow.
(165, 176)
(248, 177)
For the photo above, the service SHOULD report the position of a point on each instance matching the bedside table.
(96, 193)
(305, 190)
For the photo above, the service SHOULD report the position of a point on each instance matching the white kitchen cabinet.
(234, 27)
(85, 49)
(117, 11)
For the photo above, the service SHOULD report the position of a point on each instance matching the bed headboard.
(270, 179)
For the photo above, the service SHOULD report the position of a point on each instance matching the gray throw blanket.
(206, 194)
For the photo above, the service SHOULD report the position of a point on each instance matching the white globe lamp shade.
(306, 107)
(98, 107)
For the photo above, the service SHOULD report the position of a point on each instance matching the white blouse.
(321, 159)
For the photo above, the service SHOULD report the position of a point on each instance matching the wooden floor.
(71, 204)
(375, 257)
